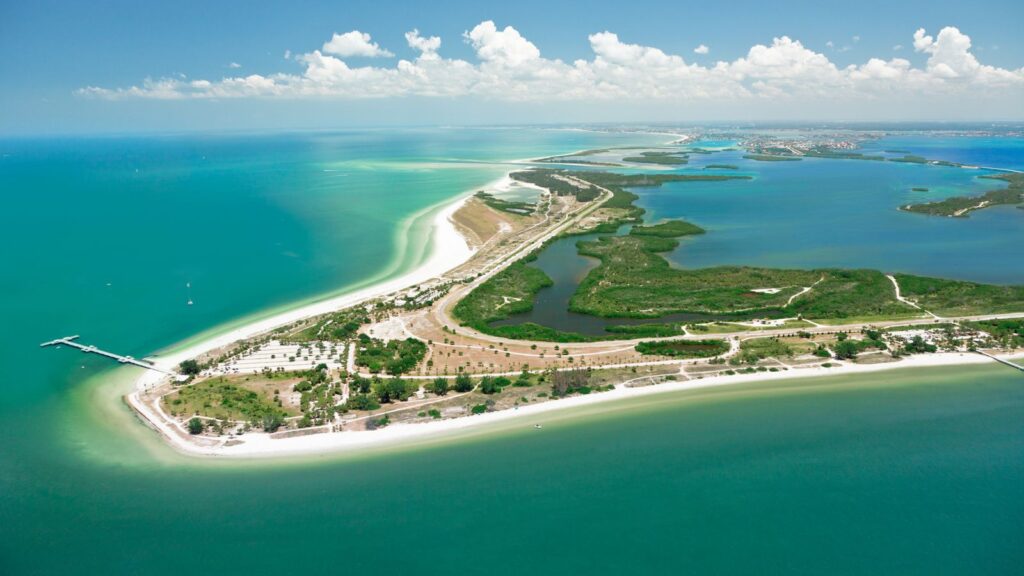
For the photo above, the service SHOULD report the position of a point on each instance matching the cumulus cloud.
(509, 67)
(504, 47)
(702, 49)
(354, 43)
(427, 47)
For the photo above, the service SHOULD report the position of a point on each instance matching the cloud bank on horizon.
(511, 68)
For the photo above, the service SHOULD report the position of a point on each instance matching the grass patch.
(224, 399)
(960, 298)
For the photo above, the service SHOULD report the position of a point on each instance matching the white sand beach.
(261, 445)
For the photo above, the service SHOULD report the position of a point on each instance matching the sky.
(120, 67)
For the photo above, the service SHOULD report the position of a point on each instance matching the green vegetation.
(394, 390)
(721, 167)
(508, 292)
(559, 182)
(566, 182)
(223, 399)
(917, 345)
(1009, 333)
(910, 159)
(771, 158)
(493, 385)
(439, 386)
(683, 348)
(633, 280)
(361, 402)
(960, 298)
(645, 330)
(669, 158)
(518, 208)
(396, 357)
(463, 383)
(195, 426)
(670, 229)
(755, 349)
(961, 206)
(189, 368)
(337, 326)
(838, 155)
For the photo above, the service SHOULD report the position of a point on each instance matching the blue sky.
(52, 50)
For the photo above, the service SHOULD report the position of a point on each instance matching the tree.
(439, 386)
(846, 350)
(271, 422)
(463, 383)
(488, 385)
(189, 367)
(195, 426)
(391, 390)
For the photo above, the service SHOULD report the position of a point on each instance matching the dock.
(1001, 361)
(70, 341)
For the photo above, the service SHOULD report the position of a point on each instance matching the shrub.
(439, 386)
(195, 426)
(463, 383)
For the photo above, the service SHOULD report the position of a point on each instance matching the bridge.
(70, 341)
(1001, 361)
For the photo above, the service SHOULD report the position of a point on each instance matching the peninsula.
(422, 354)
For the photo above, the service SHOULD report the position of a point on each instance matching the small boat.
(537, 426)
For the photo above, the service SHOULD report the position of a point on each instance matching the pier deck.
(1001, 361)
(70, 341)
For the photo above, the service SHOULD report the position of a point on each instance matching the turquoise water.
(843, 213)
(912, 473)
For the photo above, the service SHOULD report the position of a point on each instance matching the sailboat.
(189, 286)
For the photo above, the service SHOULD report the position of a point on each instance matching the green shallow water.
(910, 472)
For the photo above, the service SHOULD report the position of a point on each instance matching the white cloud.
(354, 43)
(234, 65)
(856, 39)
(702, 49)
(830, 44)
(503, 47)
(508, 67)
(897, 47)
(427, 47)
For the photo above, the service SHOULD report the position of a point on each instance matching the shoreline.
(259, 446)
(448, 250)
